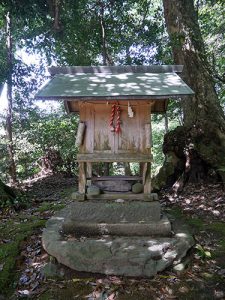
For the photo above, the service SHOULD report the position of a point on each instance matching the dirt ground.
(28, 272)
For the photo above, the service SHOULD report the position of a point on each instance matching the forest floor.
(27, 271)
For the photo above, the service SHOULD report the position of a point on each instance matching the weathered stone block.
(77, 196)
(151, 197)
(93, 190)
(154, 197)
(137, 188)
(160, 228)
(114, 185)
(112, 212)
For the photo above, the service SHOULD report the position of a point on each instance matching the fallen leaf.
(111, 297)
(24, 292)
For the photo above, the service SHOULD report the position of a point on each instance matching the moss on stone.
(168, 169)
(15, 232)
(50, 206)
(67, 191)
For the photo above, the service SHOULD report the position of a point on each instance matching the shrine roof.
(121, 82)
(115, 85)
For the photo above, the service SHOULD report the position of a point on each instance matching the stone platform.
(130, 239)
(117, 219)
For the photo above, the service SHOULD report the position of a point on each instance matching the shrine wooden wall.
(133, 138)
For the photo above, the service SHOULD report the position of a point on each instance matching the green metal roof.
(124, 85)
(115, 69)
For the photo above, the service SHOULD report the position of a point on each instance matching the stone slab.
(159, 228)
(126, 196)
(111, 212)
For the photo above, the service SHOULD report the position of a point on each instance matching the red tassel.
(111, 125)
(118, 128)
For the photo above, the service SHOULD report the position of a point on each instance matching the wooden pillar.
(141, 169)
(82, 178)
(148, 134)
(89, 173)
(89, 169)
(147, 177)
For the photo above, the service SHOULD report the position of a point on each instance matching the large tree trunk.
(199, 145)
(6, 193)
(12, 165)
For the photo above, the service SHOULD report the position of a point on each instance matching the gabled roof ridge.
(115, 69)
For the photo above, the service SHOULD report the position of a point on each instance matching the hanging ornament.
(115, 112)
(111, 122)
(130, 111)
(118, 111)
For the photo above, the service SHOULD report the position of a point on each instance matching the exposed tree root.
(191, 156)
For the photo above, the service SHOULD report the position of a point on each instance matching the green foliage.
(132, 32)
(56, 131)
(20, 201)
(202, 253)
(37, 131)
(50, 206)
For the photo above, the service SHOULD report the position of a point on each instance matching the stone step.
(111, 212)
(158, 228)
(129, 256)
(128, 196)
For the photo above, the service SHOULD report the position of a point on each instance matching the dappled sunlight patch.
(206, 200)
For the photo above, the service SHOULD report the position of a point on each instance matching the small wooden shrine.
(115, 106)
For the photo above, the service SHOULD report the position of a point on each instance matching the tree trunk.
(166, 122)
(6, 193)
(12, 166)
(107, 59)
(196, 147)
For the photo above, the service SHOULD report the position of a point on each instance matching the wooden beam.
(117, 178)
(114, 157)
(148, 135)
(80, 134)
(89, 173)
(82, 178)
(89, 170)
(147, 178)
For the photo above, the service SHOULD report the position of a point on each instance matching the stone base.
(143, 256)
(160, 228)
(113, 212)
